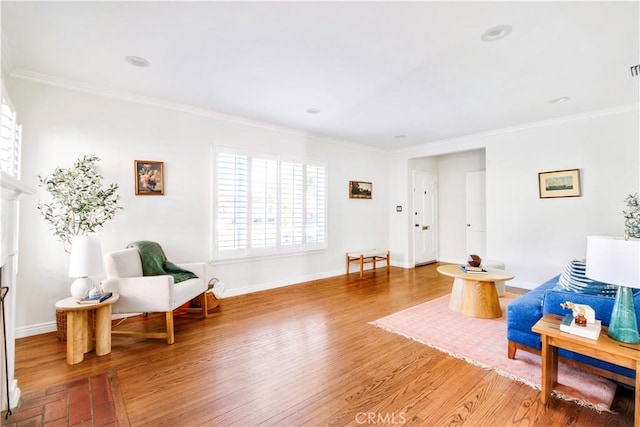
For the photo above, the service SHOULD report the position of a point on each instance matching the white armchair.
(146, 294)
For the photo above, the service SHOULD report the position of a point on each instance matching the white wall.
(61, 125)
(536, 237)
(452, 174)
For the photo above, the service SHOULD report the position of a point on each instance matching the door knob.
(468, 225)
(417, 225)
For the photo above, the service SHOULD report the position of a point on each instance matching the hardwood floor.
(305, 355)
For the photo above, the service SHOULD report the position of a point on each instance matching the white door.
(476, 214)
(425, 218)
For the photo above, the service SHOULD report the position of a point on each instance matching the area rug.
(483, 342)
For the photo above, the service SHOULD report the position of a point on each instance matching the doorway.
(476, 214)
(425, 218)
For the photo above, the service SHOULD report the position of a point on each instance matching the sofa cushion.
(573, 279)
(523, 312)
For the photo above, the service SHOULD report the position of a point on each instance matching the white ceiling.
(376, 70)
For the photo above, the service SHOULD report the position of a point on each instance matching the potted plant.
(80, 204)
(632, 216)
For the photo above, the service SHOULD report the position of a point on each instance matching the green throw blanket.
(154, 262)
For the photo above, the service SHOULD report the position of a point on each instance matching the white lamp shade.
(86, 257)
(614, 260)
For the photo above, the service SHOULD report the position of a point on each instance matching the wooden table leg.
(87, 332)
(475, 299)
(549, 360)
(348, 262)
(636, 411)
(76, 336)
(103, 330)
(388, 258)
(361, 265)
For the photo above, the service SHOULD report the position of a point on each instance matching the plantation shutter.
(315, 209)
(292, 203)
(265, 206)
(10, 138)
(264, 203)
(232, 177)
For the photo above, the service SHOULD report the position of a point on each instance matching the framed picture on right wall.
(564, 183)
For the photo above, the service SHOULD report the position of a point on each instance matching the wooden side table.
(604, 348)
(80, 333)
(475, 294)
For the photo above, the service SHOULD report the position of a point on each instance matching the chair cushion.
(123, 263)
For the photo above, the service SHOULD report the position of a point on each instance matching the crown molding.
(625, 108)
(92, 89)
(7, 56)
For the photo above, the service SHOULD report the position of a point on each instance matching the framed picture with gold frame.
(149, 177)
(360, 190)
(564, 183)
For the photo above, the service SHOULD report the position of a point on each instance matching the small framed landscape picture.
(149, 177)
(360, 190)
(565, 183)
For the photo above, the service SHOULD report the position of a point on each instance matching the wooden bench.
(363, 257)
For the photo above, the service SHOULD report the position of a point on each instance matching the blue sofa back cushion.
(574, 279)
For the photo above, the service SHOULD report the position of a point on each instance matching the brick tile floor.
(87, 402)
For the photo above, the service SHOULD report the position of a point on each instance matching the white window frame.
(280, 247)
(10, 137)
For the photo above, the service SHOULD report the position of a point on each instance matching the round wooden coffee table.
(474, 294)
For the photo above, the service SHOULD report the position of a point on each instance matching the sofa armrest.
(602, 305)
(141, 294)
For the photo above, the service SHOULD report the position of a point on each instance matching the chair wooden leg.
(170, 334)
(205, 305)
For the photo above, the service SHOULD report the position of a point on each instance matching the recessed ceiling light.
(560, 100)
(401, 136)
(137, 61)
(313, 110)
(496, 33)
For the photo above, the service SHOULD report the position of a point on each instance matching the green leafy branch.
(632, 216)
(79, 203)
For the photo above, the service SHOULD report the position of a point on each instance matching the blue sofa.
(526, 310)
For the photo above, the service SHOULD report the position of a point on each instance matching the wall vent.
(635, 70)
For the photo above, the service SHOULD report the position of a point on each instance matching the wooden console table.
(80, 333)
(604, 348)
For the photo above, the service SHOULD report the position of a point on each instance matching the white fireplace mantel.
(11, 190)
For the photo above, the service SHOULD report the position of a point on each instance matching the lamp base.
(624, 326)
(81, 287)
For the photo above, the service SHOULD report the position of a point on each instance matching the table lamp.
(86, 260)
(616, 261)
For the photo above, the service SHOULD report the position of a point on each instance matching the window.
(10, 137)
(265, 206)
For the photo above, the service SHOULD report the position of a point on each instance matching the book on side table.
(591, 331)
(95, 299)
(472, 270)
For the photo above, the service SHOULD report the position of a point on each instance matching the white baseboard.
(37, 329)
(233, 292)
(46, 327)
(14, 396)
